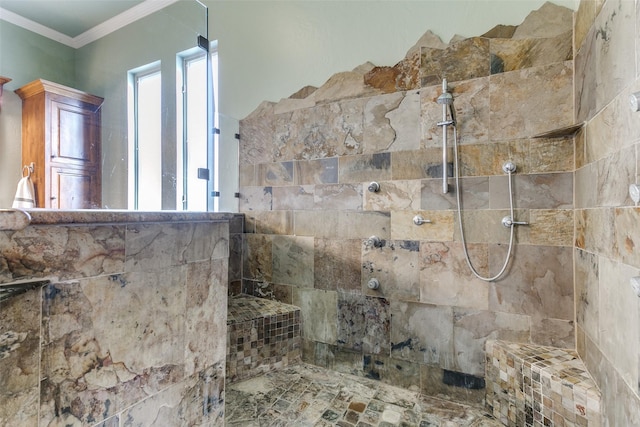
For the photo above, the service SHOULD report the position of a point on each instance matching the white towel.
(25, 194)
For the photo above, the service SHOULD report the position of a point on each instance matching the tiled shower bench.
(262, 335)
(532, 385)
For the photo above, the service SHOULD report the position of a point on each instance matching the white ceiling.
(76, 22)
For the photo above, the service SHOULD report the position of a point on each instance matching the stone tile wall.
(128, 332)
(607, 70)
(531, 385)
(306, 163)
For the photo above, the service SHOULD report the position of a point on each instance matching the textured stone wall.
(607, 221)
(306, 162)
(130, 331)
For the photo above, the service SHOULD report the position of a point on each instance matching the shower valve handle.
(508, 222)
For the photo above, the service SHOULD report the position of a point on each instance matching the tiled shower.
(539, 95)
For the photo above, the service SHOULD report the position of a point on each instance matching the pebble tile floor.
(306, 395)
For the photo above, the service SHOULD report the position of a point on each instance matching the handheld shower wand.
(446, 100)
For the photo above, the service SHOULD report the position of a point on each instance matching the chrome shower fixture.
(448, 119)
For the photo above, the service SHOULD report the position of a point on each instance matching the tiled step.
(531, 385)
(262, 335)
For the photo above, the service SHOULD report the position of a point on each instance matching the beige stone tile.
(587, 292)
(392, 122)
(464, 60)
(394, 195)
(247, 175)
(580, 148)
(534, 191)
(337, 264)
(586, 188)
(293, 197)
(440, 229)
(485, 226)
(615, 173)
(619, 306)
(368, 167)
(396, 265)
(551, 155)
(545, 290)
(321, 171)
(472, 329)
(627, 235)
(257, 136)
(346, 197)
(412, 341)
(518, 53)
(272, 174)
(484, 159)
(293, 260)
(553, 332)
(531, 101)
(585, 92)
(547, 21)
(319, 314)
(445, 277)
(271, 222)
(257, 257)
(344, 225)
(255, 199)
(425, 163)
(551, 227)
(474, 194)
(583, 20)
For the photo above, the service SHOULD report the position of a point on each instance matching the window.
(145, 136)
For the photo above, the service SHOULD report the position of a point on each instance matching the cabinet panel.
(72, 188)
(73, 134)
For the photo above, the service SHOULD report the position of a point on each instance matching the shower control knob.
(509, 167)
(418, 220)
(374, 187)
(373, 284)
(374, 241)
(508, 222)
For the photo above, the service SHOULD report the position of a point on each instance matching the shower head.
(445, 99)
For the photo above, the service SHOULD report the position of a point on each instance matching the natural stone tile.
(293, 197)
(432, 384)
(318, 310)
(346, 197)
(627, 235)
(271, 174)
(399, 373)
(345, 85)
(394, 195)
(484, 159)
(619, 306)
(405, 75)
(411, 341)
(337, 264)
(392, 123)
(464, 60)
(445, 277)
(553, 332)
(344, 225)
(323, 131)
(595, 231)
(533, 191)
(247, 175)
(580, 148)
(367, 167)
(519, 53)
(585, 82)
(441, 227)
(548, 21)
(417, 164)
(150, 246)
(614, 128)
(293, 260)
(235, 258)
(205, 315)
(256, 135)
(614, 49)
(255, 199)
(396, 265)
(321, 171)
(587, 292)
(271, 222)
(485, 226)
(363, 323)
(531, 101)
(199, 400)
(551, 155)
(20, 358)
(257, 257)
(472, 329)
(586, 188)
(64, 252)
(474, 194)
(553, 227)
(613, 170)
(545, 290)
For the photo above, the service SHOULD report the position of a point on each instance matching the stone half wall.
(130, 331)
(306, 163)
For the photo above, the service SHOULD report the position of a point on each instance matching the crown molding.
(125, 18)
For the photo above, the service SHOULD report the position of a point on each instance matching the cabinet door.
(74, 133)
(73, 188)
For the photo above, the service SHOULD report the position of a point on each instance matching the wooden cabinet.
(61, 130)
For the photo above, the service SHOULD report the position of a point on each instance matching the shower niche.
(61, 138)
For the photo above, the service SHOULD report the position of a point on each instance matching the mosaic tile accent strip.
(535, 386)
(309, 396)
(262, 335)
